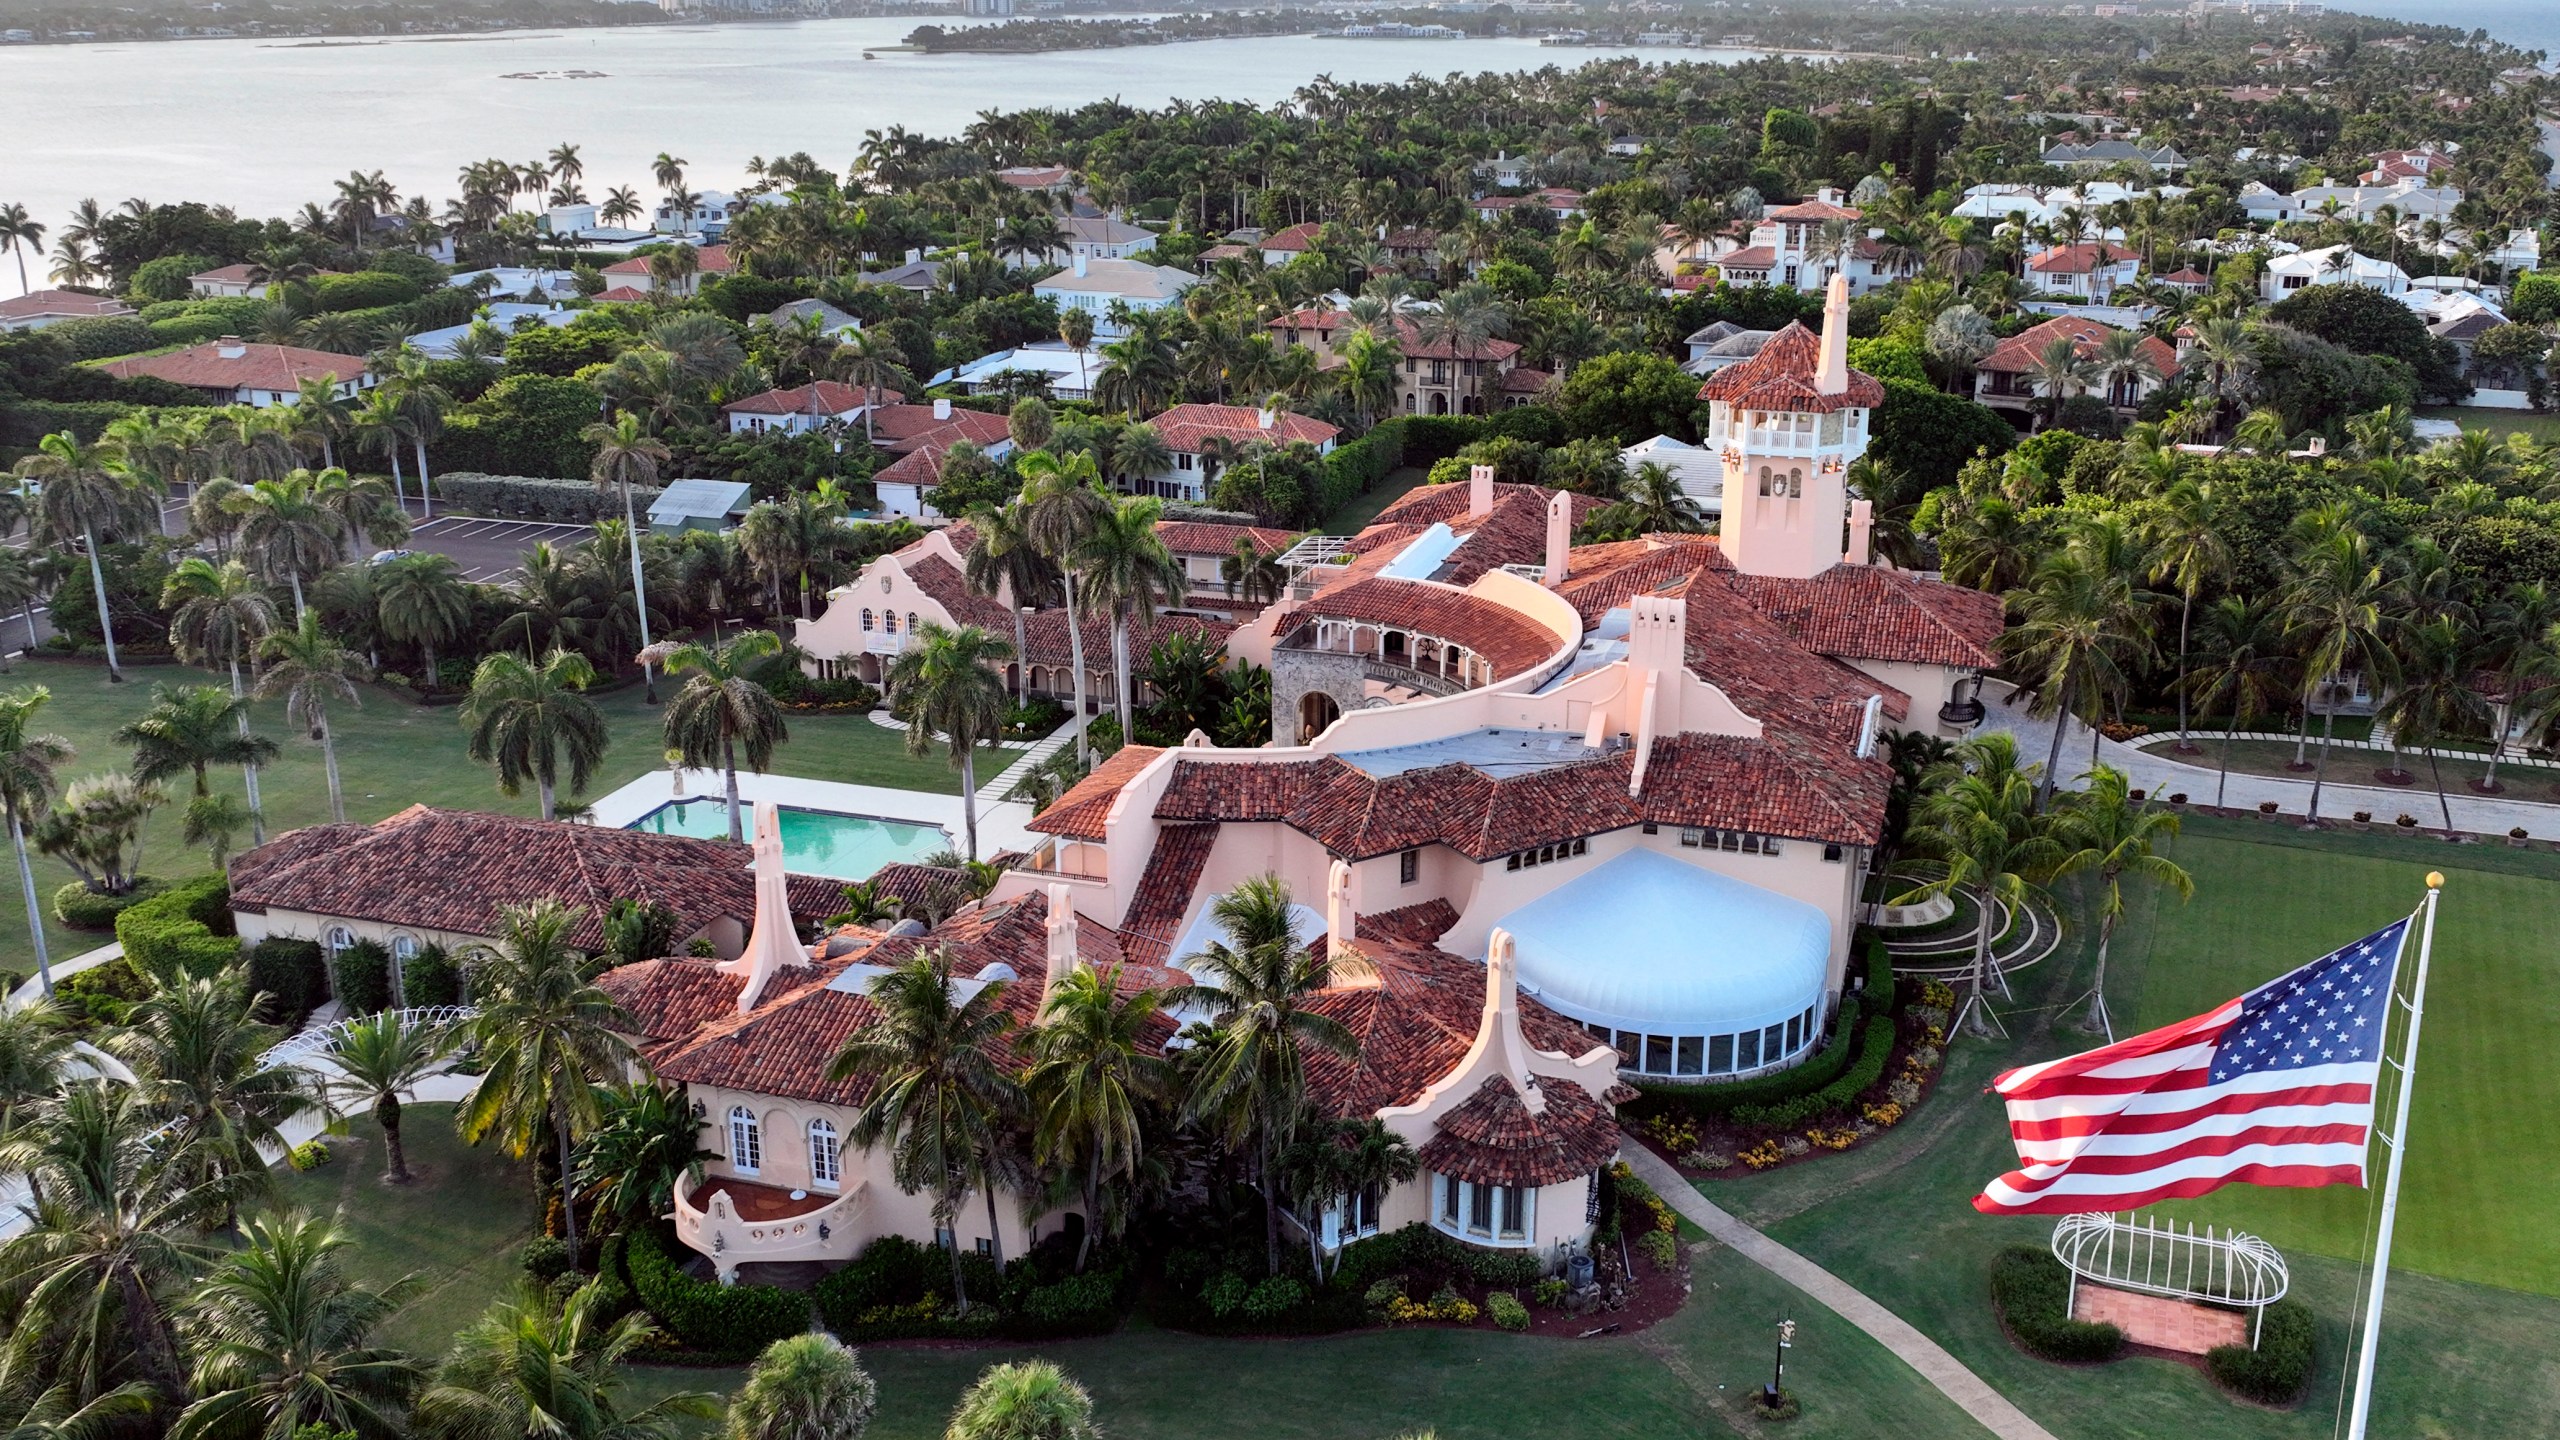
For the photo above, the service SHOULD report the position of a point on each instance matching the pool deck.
(1002, 825)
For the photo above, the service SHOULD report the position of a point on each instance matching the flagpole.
(2391, 1177)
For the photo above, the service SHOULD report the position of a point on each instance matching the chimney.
(914, 255)
(1862, 528)
(774, 944)
(1082, 264)
(1501, 1022)
(942, 408)
(1657, 634)
(1832, 377)
(1264, 418)
(1559, 537)
(1061, 926)
(229, 347)
(1479, 491)
(1346, 966)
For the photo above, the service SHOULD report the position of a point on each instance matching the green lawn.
(2357, 767)
(2467, 1350)
(1363, 508)
(391, 754)
(2543, 428)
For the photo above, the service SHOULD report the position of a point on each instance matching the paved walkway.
(1041, 749)
(2165, 774)
(1914, 1349)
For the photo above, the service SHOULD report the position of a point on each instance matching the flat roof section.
(1496, 750)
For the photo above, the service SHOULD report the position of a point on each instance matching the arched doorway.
(1316, 710)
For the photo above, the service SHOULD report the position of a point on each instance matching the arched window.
(826, 1157)
(889, 622)
(339, 938)
(911, 622)
(1764, 479)
(746, 1141)
(869, 621)
(404, 946)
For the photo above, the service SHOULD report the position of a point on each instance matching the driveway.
(491, 550)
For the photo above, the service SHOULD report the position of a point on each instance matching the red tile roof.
(1810, 210)
(1148, 929)
(2018, 353)
(1412, 1029)
(1491, 1137)
(1079, 813)
(2081, 259)
(1186, 427)
(1514, 532)
(834, 398)
(1781, 376)
(67, 303)
(1296, 237)
(1421, 924)
(1034, 177)
(903, 427)
(1519, 381)
(619, 295)
(708, 259)
(1867, 612)
(1203, 537)
(2186, 275)
(1509, 641)
(1749, 257)
(280, 368)
(1410, 341)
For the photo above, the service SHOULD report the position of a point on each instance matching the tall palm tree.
(53, 1414)
(1128, 570)
(187, 729)
(310, 671)
(2080, 626)
(2105, 833)
(286, 532)
(549, 1037)
(1252, 1080)
(198, 1056)
(526, 719)
(2190, 549)
(28, 765)
(627, 455)
(1982, 819)
(20, 233)
(553, 610)
(2436, 692)
(723, 711)
(939, 1090)
(116, 1221)
(321, 415)
(424, 602)
(1252, 574)
(1004, 560)
(36, 1052)
(363, 508)
(804, 1387)
(2333, 606)
(1024, 1400)
(1062, 504)
(2249, 666)
(87, 493)
(219, 613)
(373, 1063)
(949, 683)
(1092, 1071)
(2059, 371)
(283, 1339)
(543, 1366)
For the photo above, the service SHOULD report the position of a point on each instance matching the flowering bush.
(1938, 993)
(1507, 1312)
(1708, 1160)
(1904, 1092)
(1887, 1115)
(1551, 1291)
(1387, 1301)
(1661, 1248)
(1672, 1132)
(1923, 1059)
(1763, 1155)
(1832, 1139)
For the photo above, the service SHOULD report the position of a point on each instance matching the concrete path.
(1914, 1349)
(1041, 749)
(2165, 774)
(32, 989)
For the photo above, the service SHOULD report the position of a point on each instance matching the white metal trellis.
(2162, 1257)
(322, 1041)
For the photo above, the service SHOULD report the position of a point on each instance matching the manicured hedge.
(527, 497)
(1875, 1047)
(431, 978)
(2280, 1368)
(2033, 1291)
(1843, 1049)
(292, 975)
(360, 976)
(898, 1289)
(82, 908)
(727, 1319)
(182, 932)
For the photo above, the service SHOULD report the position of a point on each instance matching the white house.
(1094, 285)
(232, 371)
(1783, 246)
(800, 409)
(2091, 271)
(515, 282)
(1190, 431)
(37, 309)
(1700, 471)
(2328, 265)
(2410, 200)
(507, 316)
(709, 262)
(1069, 372)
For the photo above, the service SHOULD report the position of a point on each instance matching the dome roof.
(1649, 942)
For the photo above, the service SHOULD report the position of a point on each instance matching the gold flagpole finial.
(2435, 879)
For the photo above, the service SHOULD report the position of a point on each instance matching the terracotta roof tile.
(1781, 377)
(1079, 813)
(279, 368)
(1421, 924)
(2082, 259)
(1507, 640)
(2017, 354)
(1492, 1138)
(1203, 537)
(708, 259)
(1513, 532)
(1147, 931)
(1186, 427)
(1867, 612)
(834, 398)
(1413, 1028)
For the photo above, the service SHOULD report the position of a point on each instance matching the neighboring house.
(800, 409)
(507, 317)
(1699, 470)
(517, 282)
(1282, 246)
(1190, 430)
(921, 437)
(234, 281)
(712, 212)
(1102, 237)
(619, 295)
(2188, 279)
(2106, 154)
(1411, 245)
(2091, 271)
(2410, 201)
(2328, 265)
(2044, 204)
(1506, 171)
(1563, 203)
(1203, 549)
(1782, 244)
(1066, 374)
(710, 262)
(831, 321)
(700, 505)
(1432, 377)
(1038, 179)
(232, 371)
(1713, 347)
(1094, 286)
(2006, 379)
(37, 309)
(915, 273)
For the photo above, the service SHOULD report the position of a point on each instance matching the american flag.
(2274, 1088)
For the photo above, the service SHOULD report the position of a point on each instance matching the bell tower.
(1787, 423)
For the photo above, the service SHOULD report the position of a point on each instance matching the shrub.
(1550, 1292)
(2277, 1371)
(1507, 1312)
(726, 1319)
(1226, 1293)
(2033, 1292)
(528, 497)
(1381, 1296)
(362, 976)
(292, 975)
(102, 337)
(546, 1257)
(82, 908)
(181, 932)
(307, 1156)
(1875, 1047)
(1274, 1296)
(1661, 1248)
(363, 290)
(102, 994)
(431, 978)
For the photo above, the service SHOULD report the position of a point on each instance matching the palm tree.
(1062, 507)
(2189, 549)
(2436, 692)
(939, 1090)
(36, 1051)
(1331, 1164)
(424, 601)
(627, 455)
(28, 762)
(1024, 1400)
(219, 615)
(2107, 834)
(1003, 560)
(2058, 371)
(2249, 664)
(722, 710)
(116, 1220)
(282, 1340)
(628, 1166)
(191, 727)
(1252, 574)
(2333, 606)
(1092, 1070)
(553, 610)
(1127, 570)
(321, 415)
(87, 493)
(543, 1366)
(286, 532)
(2080, 624)
(948, 682)
(549, 1037)
(373, 1062)
(804, 1387)
(1252, 1078)
(311, 670)
(1983, 821)
(198, 1056)
(526, 719)
(50, 1414)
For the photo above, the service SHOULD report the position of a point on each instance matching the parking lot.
(490, 550)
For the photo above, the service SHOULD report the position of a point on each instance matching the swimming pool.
(814, 842)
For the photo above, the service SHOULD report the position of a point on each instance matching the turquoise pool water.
(814, 842)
